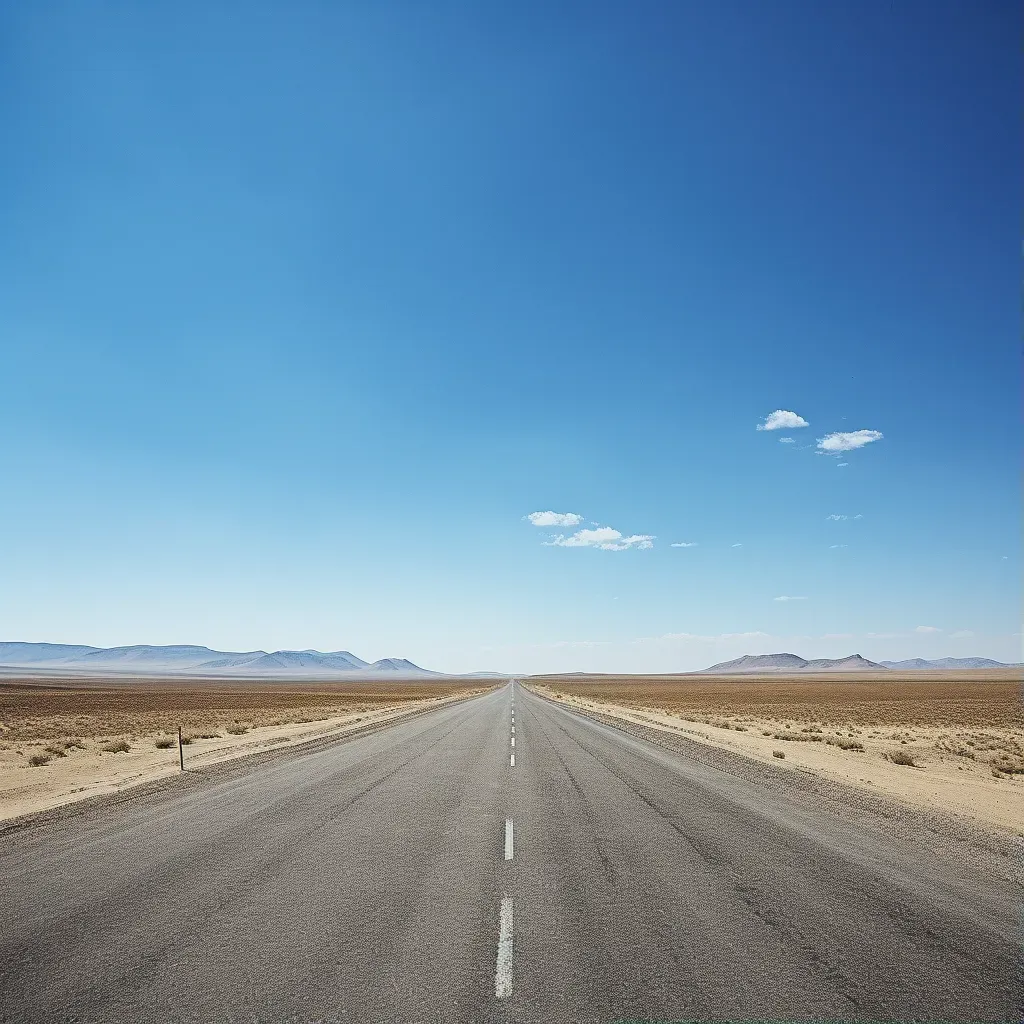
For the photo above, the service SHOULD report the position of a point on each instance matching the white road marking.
(513, 741)
(513, 730)
(508, 839)
(503, 970)
(512, 761)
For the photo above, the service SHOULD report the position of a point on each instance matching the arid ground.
(62, 739)
(950, 740)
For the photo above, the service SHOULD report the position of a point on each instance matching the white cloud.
(838, 519)
(786, 597)
(845, 441)
(786, 440)
(737, 545)
(604, 538)
(683, 544)
(554, 518)
(927, 629)
(962, 634)
(782, 419)
(837, 545)
(839, 465)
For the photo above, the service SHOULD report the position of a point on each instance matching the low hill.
(400, 666)
(755, 663)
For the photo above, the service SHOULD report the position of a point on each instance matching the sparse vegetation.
(41, 710)
(116, 747)
(778, 753)
(237, 729)
(38, 760)
(164, 742)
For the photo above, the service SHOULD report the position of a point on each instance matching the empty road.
(449, 868)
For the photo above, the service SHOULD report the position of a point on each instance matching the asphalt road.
(378, 879)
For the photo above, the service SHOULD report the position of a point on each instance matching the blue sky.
(304, 308)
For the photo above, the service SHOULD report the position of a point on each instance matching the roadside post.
(181, 751)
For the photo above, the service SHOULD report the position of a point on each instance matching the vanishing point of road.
(499, 859)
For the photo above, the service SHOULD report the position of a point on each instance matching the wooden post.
(181, 751)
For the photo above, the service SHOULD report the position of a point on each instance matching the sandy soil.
(941, 780)
(87, 770)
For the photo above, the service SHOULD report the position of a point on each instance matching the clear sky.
(305, 308)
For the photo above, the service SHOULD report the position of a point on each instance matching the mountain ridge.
(786, 662)
(946, 663)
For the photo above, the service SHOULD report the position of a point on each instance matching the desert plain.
(63, 739)
(949, 741)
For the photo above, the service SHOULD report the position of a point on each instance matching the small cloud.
(786, 440)
(554, 518)
(836, 518)
(683, 544)
(837, 546)
(737, 545)
(962, 634)
(782, 419)
(786, 597)
(859, 515)
(846, 441)
(927, 629)
(604, 538)
(839, 465)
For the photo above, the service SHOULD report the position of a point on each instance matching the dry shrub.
(237, 729)
(778, 753)
(845, 744)
(900, 757)
(116, 747)
(164, 742)
(38, 760)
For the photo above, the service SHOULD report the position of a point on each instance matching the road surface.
(448, 869)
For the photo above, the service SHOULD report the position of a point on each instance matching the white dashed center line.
(508, 839)
(512, 761)
(503, 970)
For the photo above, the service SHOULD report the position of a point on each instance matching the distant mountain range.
(947, 663)
(188, 659)
(854, 663)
